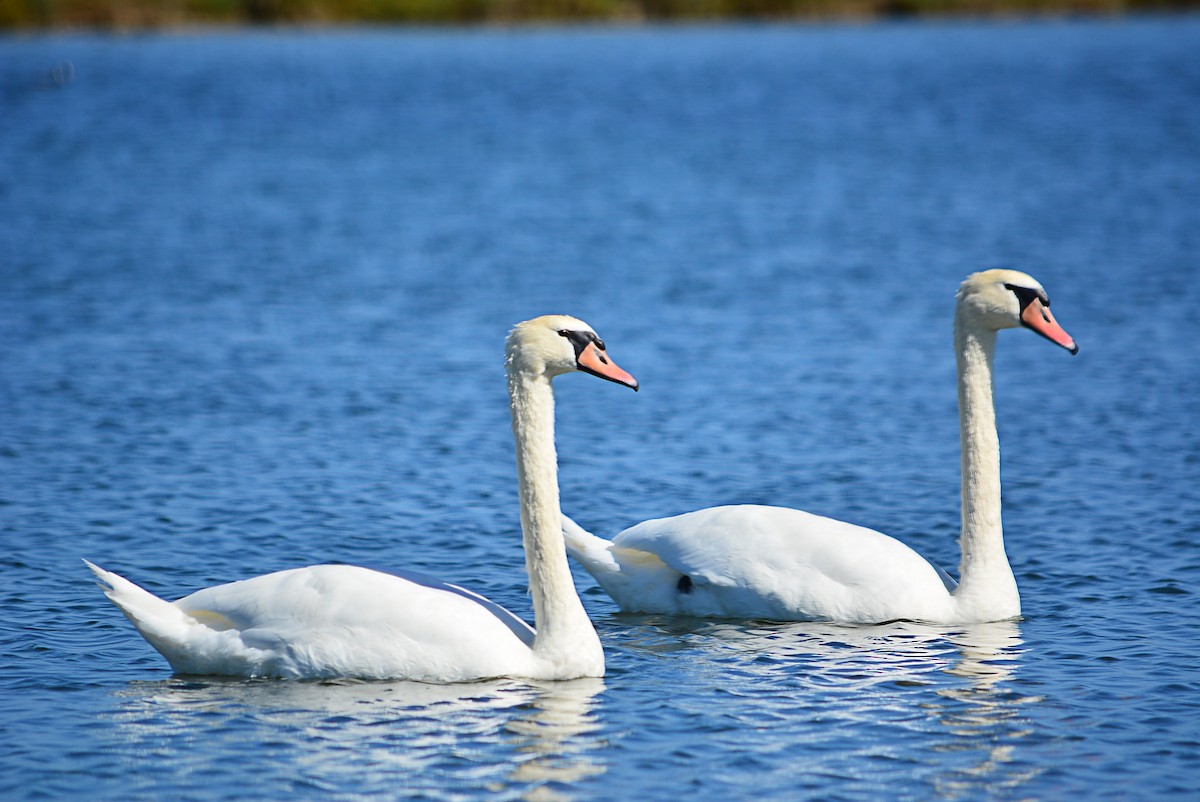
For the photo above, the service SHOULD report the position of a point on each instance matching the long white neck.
(565, 639)
(986, 581)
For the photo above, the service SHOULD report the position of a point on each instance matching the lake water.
(253, 296)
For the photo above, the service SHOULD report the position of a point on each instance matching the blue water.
(253, 295)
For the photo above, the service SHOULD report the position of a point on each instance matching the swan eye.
(1027, 295)
(580, 339)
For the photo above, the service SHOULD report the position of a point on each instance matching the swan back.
(776, 562)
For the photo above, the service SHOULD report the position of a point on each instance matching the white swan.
(344, 621)
(776, 563)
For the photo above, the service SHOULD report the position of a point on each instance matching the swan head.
(554, 344)
(1008, 299)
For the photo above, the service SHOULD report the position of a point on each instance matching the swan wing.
(341, 620)
(331, 621)
(775, 562)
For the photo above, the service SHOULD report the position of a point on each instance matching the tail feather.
(595, 553)
(160, 622)
(627, 575)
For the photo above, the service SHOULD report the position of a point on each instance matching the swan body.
(327, 621)
(755, 561)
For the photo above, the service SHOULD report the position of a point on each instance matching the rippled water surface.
(253, 295)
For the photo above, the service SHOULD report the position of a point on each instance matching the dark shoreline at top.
(134, 15)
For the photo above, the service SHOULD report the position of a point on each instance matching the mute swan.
(777, 563)
(344, 621)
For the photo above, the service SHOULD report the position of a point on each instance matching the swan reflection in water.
(986, 710)
(810, 703)
(515, 739)
(942, 703)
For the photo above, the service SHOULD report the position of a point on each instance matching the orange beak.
(596, 362)
(1036, 316)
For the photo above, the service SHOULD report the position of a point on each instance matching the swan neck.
(564, 631)
(984, 574)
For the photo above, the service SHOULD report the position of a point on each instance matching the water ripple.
(252, 296)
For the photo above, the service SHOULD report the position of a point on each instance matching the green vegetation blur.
(135, 14)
